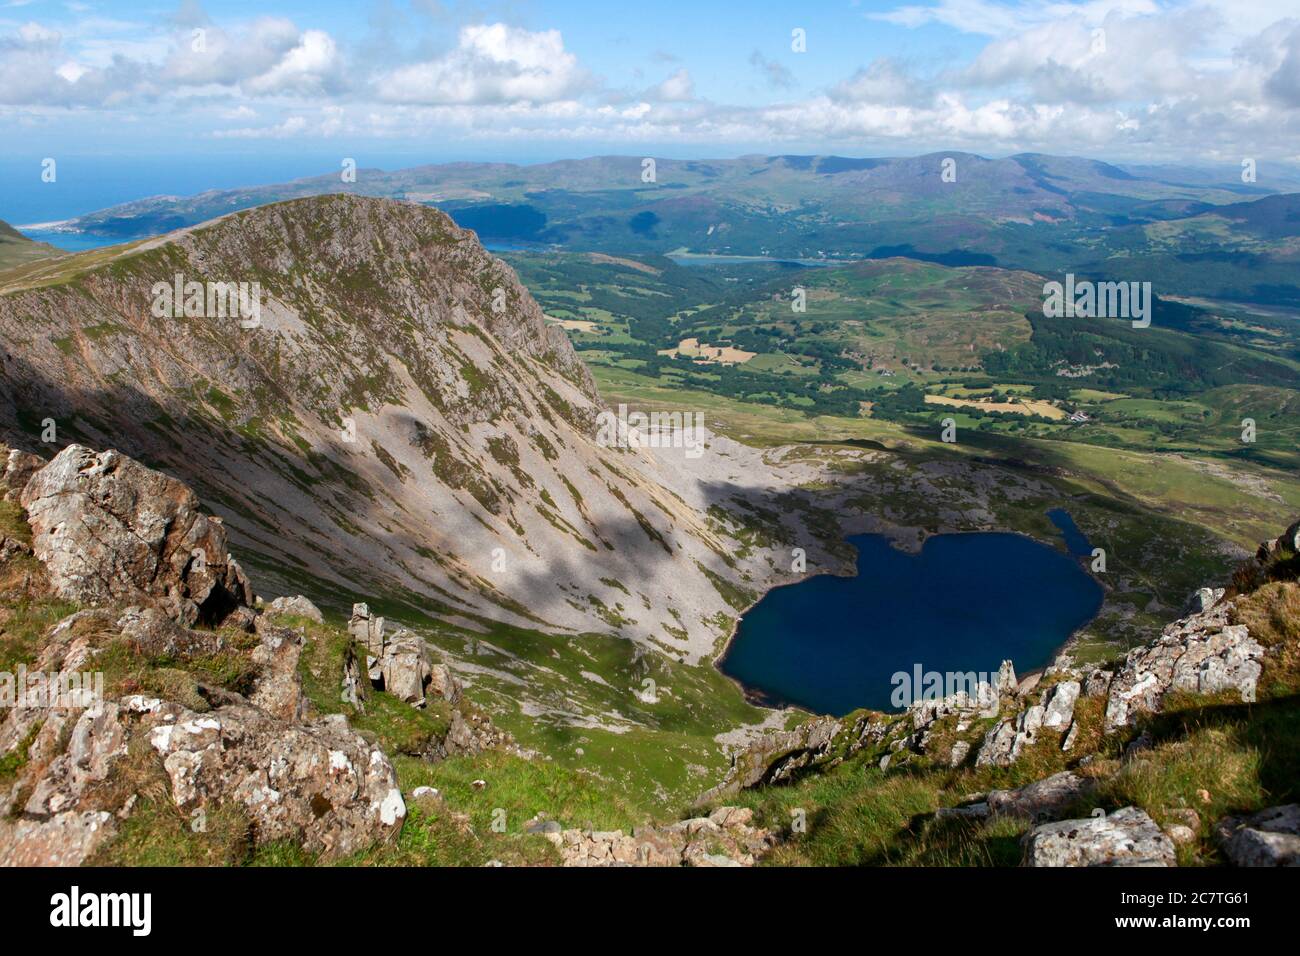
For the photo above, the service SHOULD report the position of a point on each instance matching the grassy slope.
(16, 249)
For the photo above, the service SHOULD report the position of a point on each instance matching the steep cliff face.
(384, 410)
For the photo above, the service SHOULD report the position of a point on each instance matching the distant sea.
(84, 184)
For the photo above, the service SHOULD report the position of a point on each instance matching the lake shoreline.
(771, 700)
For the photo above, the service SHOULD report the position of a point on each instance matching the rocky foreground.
(148, 573)
(204, 707)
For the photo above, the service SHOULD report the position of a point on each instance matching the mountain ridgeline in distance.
(1050, 214)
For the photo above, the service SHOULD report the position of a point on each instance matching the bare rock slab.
(1127, 837)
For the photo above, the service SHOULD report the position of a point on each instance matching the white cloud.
(677, 88)
(494, 63)
(310, 66)
(1198, 77)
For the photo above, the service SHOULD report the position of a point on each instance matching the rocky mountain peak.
(366, 396)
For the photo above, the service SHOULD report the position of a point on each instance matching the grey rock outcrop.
(777, 757)
(1044, 799)
(109, 530)
(154, 634)
(16, 469)
(1268, 838)
(400, 663)
(1127, 837)
(297, 606)
(724, 838)
(367, 629)
(1004, 742)
(317, 784)
(406, 667)
(473, 733)
(1058, 705)
(1201, 654)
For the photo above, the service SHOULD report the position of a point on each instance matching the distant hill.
(16, 249)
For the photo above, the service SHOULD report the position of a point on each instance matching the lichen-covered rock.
(1127, 837)
(318, 784)
(278, 690)
(1268, 838)
(367, 629)
(67, 839)
(1004, 742)
(406, 667)
(153, 634)
(109, 530)
(16, 469)
(1203, 599)
(473, 733)
(1058, 705)
(98, 740)
(1201, 654)
(444, 684)
(297, 606)
(1044, 799)
(723, 838)
(355, 680)
(777, 757)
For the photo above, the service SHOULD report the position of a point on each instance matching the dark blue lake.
(965, 603)
(1075, 540)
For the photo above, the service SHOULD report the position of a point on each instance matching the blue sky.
(1207, 80)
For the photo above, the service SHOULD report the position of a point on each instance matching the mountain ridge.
(402, 408)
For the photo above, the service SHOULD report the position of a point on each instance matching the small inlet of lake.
(965, 603)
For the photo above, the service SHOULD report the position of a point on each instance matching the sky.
(529, 80)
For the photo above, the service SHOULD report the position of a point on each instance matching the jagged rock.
(296, 607)
(154, 634)
(67, 839)
(1058, 710)
(777, 757)
(1202, 653)
(278, 690)
(724, 838)
(474, 733)
(960, 751)
(354, 682)
(1097, 683)
(16, 469)
(109, 530)
(405, 667)
(1071, 736)
(1004, 742)
(983, 701)
(1268, 838)
(1005, 682)
(319, 784)
(98, 740)
(1044, 799)
(1127, 837)
(367, 630)
(1202, 600)
(444, 684)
